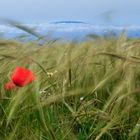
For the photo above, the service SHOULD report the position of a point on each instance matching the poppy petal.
(21, 76)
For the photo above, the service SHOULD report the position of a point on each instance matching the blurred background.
(72, 19)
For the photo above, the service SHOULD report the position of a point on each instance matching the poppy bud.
(9, 85)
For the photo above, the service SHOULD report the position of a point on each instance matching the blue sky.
(123, 12)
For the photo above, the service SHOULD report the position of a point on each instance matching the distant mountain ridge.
(68, 21)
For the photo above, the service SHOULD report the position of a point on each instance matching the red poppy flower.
(9, 85)
(21, 76)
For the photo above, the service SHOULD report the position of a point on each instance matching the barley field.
(86, 90)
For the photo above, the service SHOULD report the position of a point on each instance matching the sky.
(104, 12)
